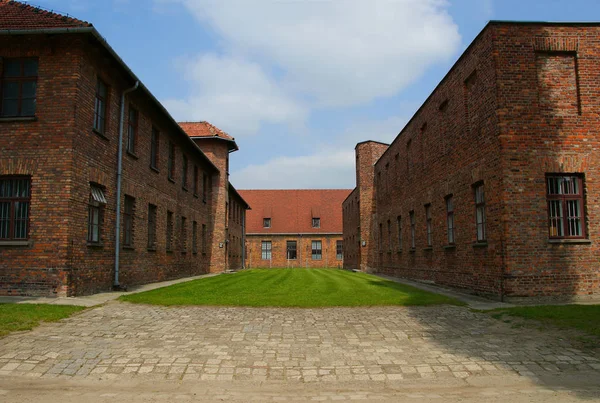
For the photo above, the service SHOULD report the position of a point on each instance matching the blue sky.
(299, 82)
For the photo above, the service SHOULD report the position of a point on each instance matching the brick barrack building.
(493, 185)
(295, 228)
(66, 101)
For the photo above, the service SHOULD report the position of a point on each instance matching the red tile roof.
(15, 15)
(291, 211)
(204, 129)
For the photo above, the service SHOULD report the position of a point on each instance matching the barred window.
(132, 129)
(184, 171)
(413, 230)
(154, 148)
(480, 212)
(152, 226)
(450, 219)
(96, 207)
(169, 235)
(565, 206)
(203, 238)
(429, 224)
(317, 251)
(266, 250)
(399, 224)
(100, 106)
(194, 237)
(339, 250)
(292, 252)
(171, 162)
(128, 221)
(15, 201)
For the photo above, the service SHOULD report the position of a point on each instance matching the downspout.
(244, 240)
(116, 285)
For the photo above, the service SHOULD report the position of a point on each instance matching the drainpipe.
(244, 239)
(116, 285)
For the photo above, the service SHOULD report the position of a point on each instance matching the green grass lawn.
(582, 317)
(15, 317)
(305, 288)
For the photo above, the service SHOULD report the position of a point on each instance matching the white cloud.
(339, 52)
(332, 166)
(234, 94)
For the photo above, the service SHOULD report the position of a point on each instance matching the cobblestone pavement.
(121, 341)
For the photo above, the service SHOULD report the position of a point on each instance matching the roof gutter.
(116, 285)
(100, 38)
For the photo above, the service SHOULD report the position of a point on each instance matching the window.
(15, 201)
(316, 222)
(154, 148)
(291, 247)
(429, 223)
(194, 237)
(203, 239)
(317, 252)
(19, 86)
(152, 226)
(183, 239)
(132, 129)
(95, 210)
(128, 221)
(480, 212)
(413, 230)
(204, 187)
(565, 206)
(380, 243)
(171, 162)
(399, 224)
(266, 250)
(169, 237)
(196, 180)
(450, 218)
(266, 223)
(389, 234)
(100, 106)
(184, 171)
(339, 250)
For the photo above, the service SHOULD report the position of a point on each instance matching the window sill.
(570, 241)
(15, 243)
(18, 119)
(184, 252)
(101, 135)
(399, 251)
(154, 169)
(196, 195)
(449, 247)
(203, 253)
(412, 250)
(169, 251)
(194, 253)
(128, 247)
(185, 189)
(171, 180)
(95, 245)
(132, 155)
(429, 248)
(151, 249)
(480, 245)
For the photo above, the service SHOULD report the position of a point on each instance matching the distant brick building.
(294, 228)
(493, 185)
(66, 99)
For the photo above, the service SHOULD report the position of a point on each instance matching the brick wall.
(519, 104)
(550, 125)
(64, 155)
(304, 251)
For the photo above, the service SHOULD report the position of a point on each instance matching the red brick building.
(294, 228)
(66, 101)
(493, 185)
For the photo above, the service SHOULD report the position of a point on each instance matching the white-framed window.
(266, 250)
